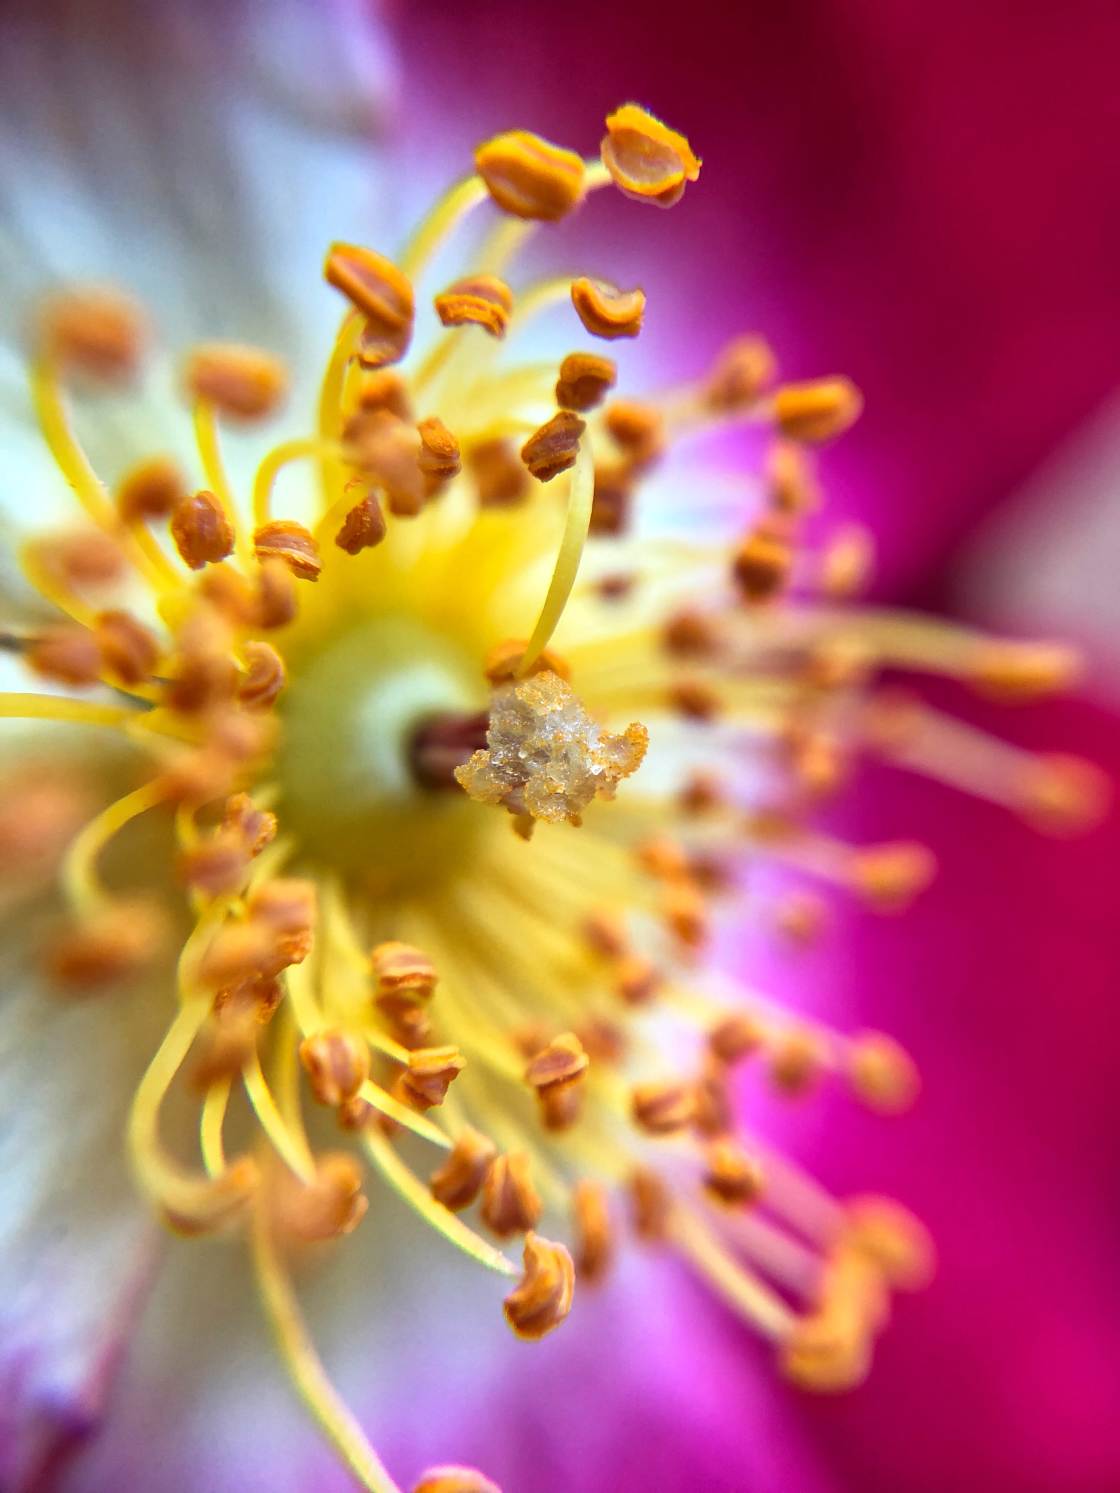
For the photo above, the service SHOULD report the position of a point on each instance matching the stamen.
(244, 383)
(93, 330)
(544, 1297)
(478, 300)
(455, 1480)
(818, 411)
(283, 539)
(529, 177)
(646, 159)
(607, 311)
(381, 293)
(201, 529)
(554, 447)
(584, 381)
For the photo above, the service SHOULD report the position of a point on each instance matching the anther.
(663, 1108)
(66, 653)
(439, 458)
(500, 478)
(1061, 795)
(81, 558)
(890, 876)
(694, 699)
(217, 865)
(455, 1480)
(594, 1242)
(882, 1073)
(791, 483)
(890, 1235)
(385, 389)
(288, 907)
(662, 857)
(502, 660)
(530, 177)
(761, 565)
(114, 943)
(686, 913)
(150, 490)
(243, 382)
(1022, 671)
(402, 970)
(265, 676)
(604, 933)
(387, 451)
(612, 499)
(817, 411)
(382, 293)
(286, 540)
(218, 1201)
(510, 1203)
(607, 311)
(603, 1040)
(637, 428)
(636, 979)
(93, 330)
(713, 1110)
(128, 650)
(800, 917)
(327, 1208)
(744, 370)
(557, 1073)
(553, 448)
(735, 1037)
(201, 530)
(459, 1180)
(795, 1061)
(336, 1064)
(731, 1174)
(430, 1073)
(544, 1297)
(690, 634)
(650, 1205)
(362, 528)
(646, 159)
(847, 563)
(478, 300)
(276, 594)
(702, 793)
(584, 381)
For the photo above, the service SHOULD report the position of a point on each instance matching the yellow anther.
(646, 159)
(478, 300)
(553, 448)
(584, 381)
(455, 1480)
(890, 876)
(732, 1174)
(1062, 795)
(743, 371)
(201, 530)
(530, 177)
(607, 311)
(150, 490)
(1023, 671)
(381, 293)
(817, 411)
(594, 1242)
(510, 1203)
(243, 382)
(544, 1297)
(284, 539)
(459, 1180)
(93, 330)
(891, 1236)
(336, 1064)
(363, 527)
(882, 1073)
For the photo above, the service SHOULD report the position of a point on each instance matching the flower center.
(349, 786)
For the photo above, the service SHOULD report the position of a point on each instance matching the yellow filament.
(79, 871)
(17, 706)
(417, 1196)
(375, 1095)
(334, 1418)
(581, 491)
(763, 1308)
(440, 223)
(210, 1125)
(157, 1174)
(278, 458)
(288, 1142)
(51, 588)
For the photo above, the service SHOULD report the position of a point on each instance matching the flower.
(534, 1005)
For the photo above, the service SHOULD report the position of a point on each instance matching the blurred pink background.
(927, 199)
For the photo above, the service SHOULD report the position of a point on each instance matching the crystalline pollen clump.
(545, 756)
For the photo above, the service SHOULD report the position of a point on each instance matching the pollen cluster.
(323, 692)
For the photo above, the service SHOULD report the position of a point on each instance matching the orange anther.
(544, 1297)
(584, 381)
(336, 1064)
(330, 1206)
(1062, 795)
(890, 876)
(401, 969)
(382, 293)
(114, 943)
(385, 389)
(430, 1073)
(265, 676)
(594, 1235)
(243, 382)
(702, 793)
(217, 865)
(66, 653)
(458, 1181)
(284, 539)
(128, 649)
(732, 1174)
(201, 530)
(478, 300)
(735, 1037)
(502, 660)
(663, 1108)
(607, 311)
(510, 1202)
(791, 481)
(637, 428)
(761, 565)
(256, 827)
(882, 1073)
(499, 476)
(455, 1480)
(650, 1204)
(891, 1236)
(439, 458)
(557, 1072)
(150, 490)
(636, 979)
(81, 557)
(817, 411)
(646, 159)
(553, 448)
(387, 452)
(93, 330)
(362, 528)
(691, 634)
(530, 177)
(1010, 672)
(276, 594)
(695, 700)
(847, 562)
(662, 857)
(795, 1061)
(744, 370)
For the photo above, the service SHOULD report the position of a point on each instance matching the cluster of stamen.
(506, 1025)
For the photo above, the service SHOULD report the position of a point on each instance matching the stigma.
(414, 876)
